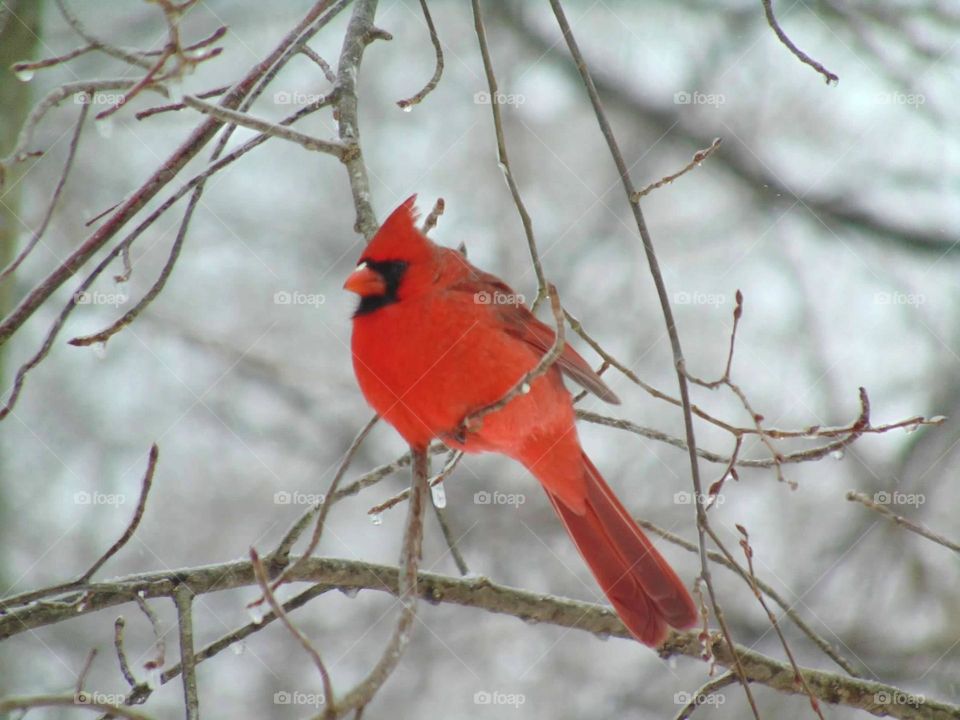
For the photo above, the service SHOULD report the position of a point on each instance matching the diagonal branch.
(624, 173)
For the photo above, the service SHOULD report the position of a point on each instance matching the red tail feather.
(645, 591)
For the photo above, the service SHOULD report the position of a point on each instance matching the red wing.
(522, 324)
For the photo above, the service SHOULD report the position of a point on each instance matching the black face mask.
(392, 272)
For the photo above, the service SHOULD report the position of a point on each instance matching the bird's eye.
(362, 265)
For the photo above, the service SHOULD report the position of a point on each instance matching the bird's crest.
(399, 238)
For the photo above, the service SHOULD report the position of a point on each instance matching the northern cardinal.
(435, 339)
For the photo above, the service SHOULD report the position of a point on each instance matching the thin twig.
(158, 179)
(9, 704)
(902, 521)
(624, 174)
(206, 94)
(360, 33)
(328, 500)
(703, 693)
(142, 691)
(54, 199)
(84, 671)
(502, 157)
(264, 583)
(131, 58)
(431, 222)
(118, 627)
(830, 77)
(407, 590)
(21, 67)
(155, 665)
(697, 160)
(748, 553)
(730, 563)
(323, 64)
(134, 521)
(338, 150)
(183, 597)
(395, 500)
(438, 69)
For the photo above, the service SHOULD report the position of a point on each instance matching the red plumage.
(435, 339)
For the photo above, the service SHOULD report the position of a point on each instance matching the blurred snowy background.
(833, 208)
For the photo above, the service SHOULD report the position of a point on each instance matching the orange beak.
(365, 281)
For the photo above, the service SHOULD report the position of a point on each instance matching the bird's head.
(397, 263)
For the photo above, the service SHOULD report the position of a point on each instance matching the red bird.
(435, 339)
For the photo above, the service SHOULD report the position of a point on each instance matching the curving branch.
(478, 593)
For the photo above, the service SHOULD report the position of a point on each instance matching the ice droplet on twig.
(256, 614)
(24, 74)
(239, 648)
(175, 90)
(376, 518)
(350, 592)
(439, 495)
(837, 454)
(105, 127)
(154, 679)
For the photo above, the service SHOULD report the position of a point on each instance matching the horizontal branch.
(480, 593)
(226, 115)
